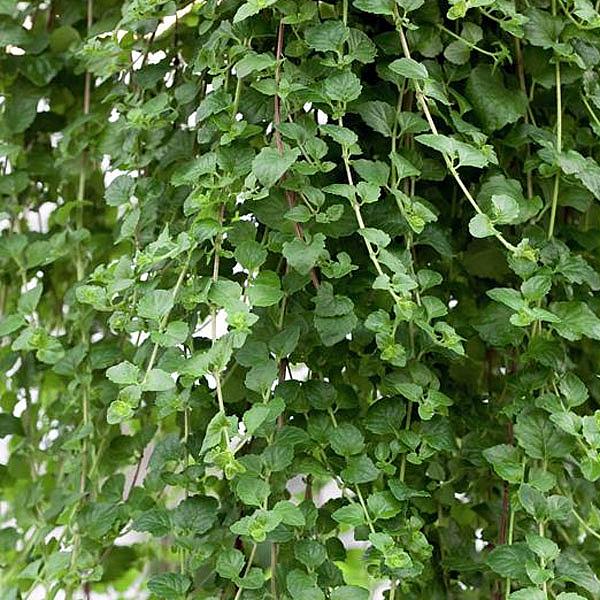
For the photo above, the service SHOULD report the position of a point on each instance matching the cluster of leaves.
(297, 299)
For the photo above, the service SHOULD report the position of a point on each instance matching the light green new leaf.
(251, 8)
(480, 226)
(124, 373)
(157, 380)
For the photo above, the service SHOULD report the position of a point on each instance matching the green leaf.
(10, 425)
(195, 514)
(383, 505)
(119, 411)
(29, 300)
(346, 440)
(169, 585)
(351, 514)
(467, 154)
(375, 236)
(310, 553)
(252, 491)
(349, 592)
(576, 320)
(302, 587)
(253, 62)
(11, 323)
(334, 316)
(327, 36)
(510, 560)
(506, 209)
(265, 289)
(508, 297)
(251, 8)
(157, 380)
(155, 521)
(542, 546)
(481, 226)
(373, 171)
(528, 594)
(573, 389)
(542, 28)
(260, 377)
(585, 169)
(533, 502)
(119, 191)
(377, 7)
(409, 68)
(378, 115)
(176, 333)
(506, 462)
(250, 254)
(540, 438)
(155, 305)
(494, 105)
(572, 567)
(342, 87)
(360, 469)
(124, 373)
(289, 513)
(269, 165)
(302, 255)
(230, 563)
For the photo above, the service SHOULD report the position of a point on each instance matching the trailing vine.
(297, 299)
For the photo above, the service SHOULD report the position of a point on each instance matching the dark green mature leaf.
(360, 469)
(495, 105)
(539, 438)
(378, 115)
(510, 560)
(169, 585)
(585, 169)
(334, 316)
(269, 165)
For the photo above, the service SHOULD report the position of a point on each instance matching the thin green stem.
(509, 541)
(591, 111)
(364, 507)
(247, 569)
(542, 532)
(555, 192)
(467, 42)
(406, 428)
(581, 520)
(422, 100)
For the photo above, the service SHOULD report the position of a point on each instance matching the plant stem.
(406, 428)
(467, 42)
(581, 520)
(246, 570)
(422, 100)
(556, 189)
(509, 541)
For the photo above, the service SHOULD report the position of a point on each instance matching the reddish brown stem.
(289, 195)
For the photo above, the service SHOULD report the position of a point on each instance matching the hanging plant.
(298, 299)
